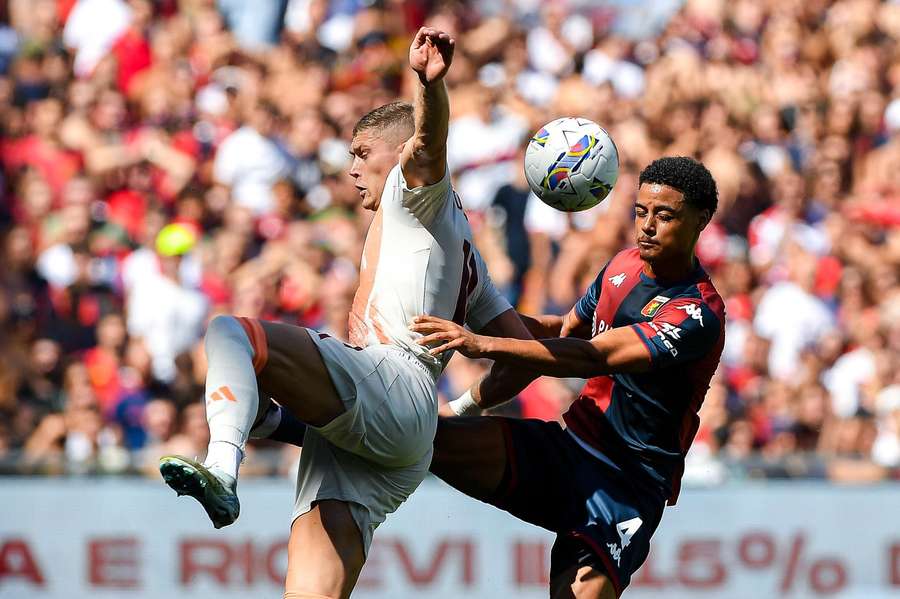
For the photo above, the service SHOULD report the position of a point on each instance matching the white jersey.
(419, 258)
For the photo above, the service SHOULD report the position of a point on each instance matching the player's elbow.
(429, 153)
(620, 350)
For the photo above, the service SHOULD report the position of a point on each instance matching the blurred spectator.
(163, 312)
(791, 316)
(249, 162)
(256, 25)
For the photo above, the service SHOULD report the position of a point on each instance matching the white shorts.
(375, 454)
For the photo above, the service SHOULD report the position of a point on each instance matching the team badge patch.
(654, 305)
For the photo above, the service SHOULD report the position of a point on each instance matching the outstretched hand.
(448, 335)
(431, 54)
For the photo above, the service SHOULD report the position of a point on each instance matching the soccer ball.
(571, 164)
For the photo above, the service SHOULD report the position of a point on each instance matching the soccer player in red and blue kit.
(647, 335)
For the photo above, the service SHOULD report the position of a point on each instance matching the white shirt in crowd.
(168, 316)
(769, 230)
(792, 320)
(886, 450)
(91, 30)
(143, 262)
(541, 218)
(844, 378)
(473, 148)
(250, 164)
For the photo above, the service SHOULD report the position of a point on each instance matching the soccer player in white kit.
(370, 406)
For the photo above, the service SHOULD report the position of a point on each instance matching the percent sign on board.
(825, 575)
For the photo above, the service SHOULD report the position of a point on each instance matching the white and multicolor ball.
(571, 164)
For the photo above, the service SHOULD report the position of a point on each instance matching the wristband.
(465, 405)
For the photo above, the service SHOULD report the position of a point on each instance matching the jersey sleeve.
(684, 330)
(486, 303)
(426, 202)
(588, 303)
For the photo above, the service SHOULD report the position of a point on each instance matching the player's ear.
(705, 217)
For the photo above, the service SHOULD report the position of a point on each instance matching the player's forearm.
(562, 357)
(501, 384)
(431, 112)
(541, 327)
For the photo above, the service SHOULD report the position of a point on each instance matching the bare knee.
(325, 553)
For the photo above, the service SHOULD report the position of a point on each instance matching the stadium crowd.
(166, 161)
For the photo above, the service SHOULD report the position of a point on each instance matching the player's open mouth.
(362, 191)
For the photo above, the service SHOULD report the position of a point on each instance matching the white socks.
(224, 456)
(232, 397)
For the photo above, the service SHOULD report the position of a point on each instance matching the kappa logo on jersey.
(626, 530)
(615, 552)
(654, 305)
(670, 330)
(618, 279)
(664, 330)
(694, 311)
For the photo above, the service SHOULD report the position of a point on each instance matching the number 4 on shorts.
(627, 529)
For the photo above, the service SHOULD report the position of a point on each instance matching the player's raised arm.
(424, 157)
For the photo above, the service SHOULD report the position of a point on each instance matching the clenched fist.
(431, 54)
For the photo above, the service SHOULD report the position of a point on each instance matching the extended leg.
(232, 396)
(470, 454)
(325, 553)
(232, 406)
(294, 374)
(245, 356)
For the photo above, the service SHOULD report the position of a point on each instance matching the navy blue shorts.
(602, 517)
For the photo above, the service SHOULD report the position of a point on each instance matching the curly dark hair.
(686, 175)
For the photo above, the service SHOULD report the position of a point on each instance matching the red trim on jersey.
(599, 391)
(596, 394)
(610, 297)
(645, 337)
(700, 377)
(582, 417)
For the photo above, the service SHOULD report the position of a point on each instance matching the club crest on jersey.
(654, 305)
(618, 279)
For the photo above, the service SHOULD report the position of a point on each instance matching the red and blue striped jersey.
(645, 422)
